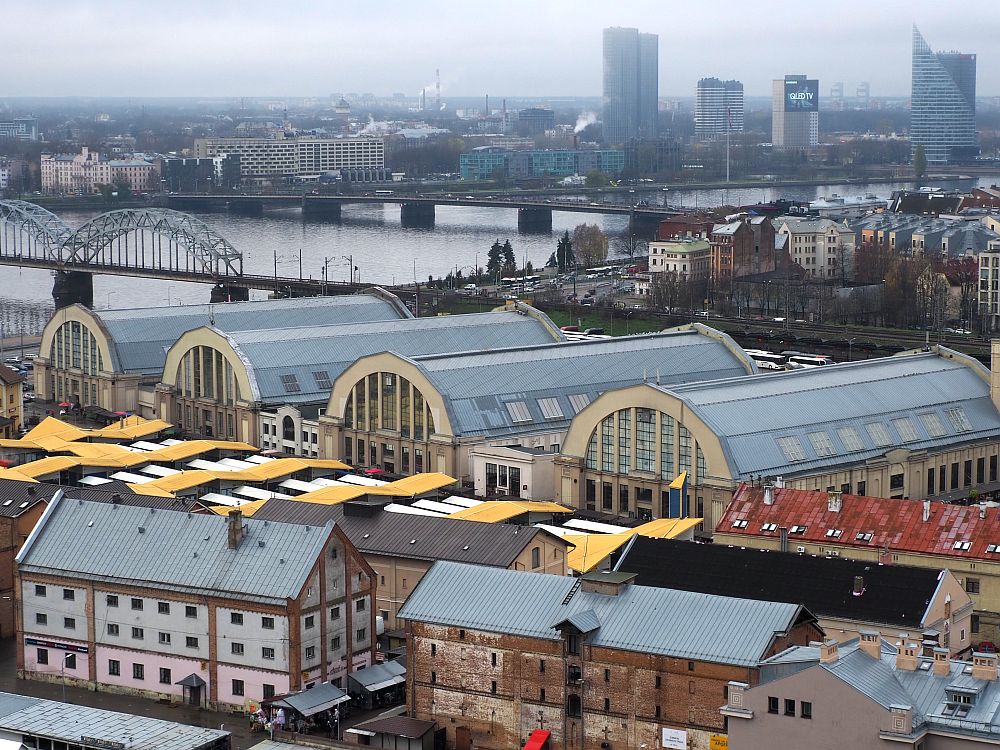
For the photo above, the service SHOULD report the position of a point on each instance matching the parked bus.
(767, 360)
(809, 360)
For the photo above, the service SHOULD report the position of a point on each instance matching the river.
(383, 252)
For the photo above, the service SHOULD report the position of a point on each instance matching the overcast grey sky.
(503, 47)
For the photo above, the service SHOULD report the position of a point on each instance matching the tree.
(509, 262)
(564, 253)
(591, 245)
(596, 178)
(494, 260)
(919, 162)
(552, 262)
(529, 268)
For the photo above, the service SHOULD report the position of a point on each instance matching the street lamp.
(352, 269)
(850, 349)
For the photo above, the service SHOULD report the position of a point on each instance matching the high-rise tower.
(718, 107)
(631, 85)
(795, 112)
(943, 103)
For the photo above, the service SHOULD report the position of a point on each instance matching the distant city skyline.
(255, 48)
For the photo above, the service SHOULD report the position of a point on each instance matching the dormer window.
(963, 546)
(740, 523)
(798, 530)
(864, 536)
(769, 527)
(834, 533)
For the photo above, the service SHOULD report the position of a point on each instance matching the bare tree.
(590, 245)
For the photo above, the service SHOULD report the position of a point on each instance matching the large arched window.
(74, 346)
(386, 401)
(644, 441)
(206, 373)
(288, 428)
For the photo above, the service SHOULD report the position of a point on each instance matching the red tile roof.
(9, 375)
(893, 524)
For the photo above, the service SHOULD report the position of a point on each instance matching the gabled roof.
(180, 551)
(140, 337)
(804, 420)
(894, 525)
(10, 376)
(302, 352)
(640, 619)
(894, 595)
(483, 390)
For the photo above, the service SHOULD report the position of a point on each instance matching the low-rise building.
(846, 596)
(11, 401)
(289, 157)
(867, 694)
(189, 608)
(684, 258)
(401, 547)
(926, 534)
(822, 247)
(591, 660)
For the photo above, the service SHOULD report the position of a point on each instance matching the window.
(541, 694)
(798, 529)
(607, 705)
(138, 672)
(39, 590)
(896, 482)
(334, 613)
(137, 633)
(137, 604)
(335, 643)
(550, 408)
(972, 585)
(359, 605)
(772, 704)
(789, 707)
(807, 710)
(536, 557)
(41, 618)
(360, 634)
(958, 420)
(112, 628)
(322, 378)
(191, 641)
(930, 481)
(267, 623)
(967, 473)
(954, 475)
(268, 691)
(434, 678)
(69, 595)
(850, 439)
(769, 527)
(42, 656)
(862, 487)
(579, 401)
(236, 618)
(310, 653)
(190, 611)
(864, 536)
(906, 429)
(518, 411)
(238, 687)
(236, 648)
(309, 622)
(493, 687)
(163, 608)
(541, 665)
(822, 444)
(792, 448)
(69, 623)
(980, 470)
(656, 712)
(165, 639)
(266, 653)
(740, 523)
(291, 384)
(932, 423)
(114, 667)
(690, 666)
(165, 677)
(879, 434)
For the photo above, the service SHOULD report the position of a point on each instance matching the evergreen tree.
(509, 262)
(494, 260)
(564, 253)
(919, 162)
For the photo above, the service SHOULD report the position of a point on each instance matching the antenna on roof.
(211, 315)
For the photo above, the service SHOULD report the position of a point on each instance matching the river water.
(382, 250)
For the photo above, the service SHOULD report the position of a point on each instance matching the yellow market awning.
(498, 511)
(667, 528)
(332, 495)
(590, 549)
(414, 485)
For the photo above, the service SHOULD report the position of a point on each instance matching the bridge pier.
(417, 215)
(322, 209)
(643, 225)
(222, 292)
(246, 207)
(71, 287)
(534, 220)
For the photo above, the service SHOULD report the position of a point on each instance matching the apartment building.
(595, 661)
(85, 172)
(11, 401)
(822, 247)
(296, 157)
(687, 259)
(206, 610)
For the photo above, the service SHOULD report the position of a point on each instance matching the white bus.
(767, 360)
(809, 360)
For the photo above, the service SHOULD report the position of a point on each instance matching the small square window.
(114, 667)
(789, 707)
(112, 628)
(236, 618)
(807, 710)
(772, 704)
(191, 611)
(361, 634)
(310, 653)
(238, 687)
(267, 653)
(138, 672)
(41, 618)
(236, 648)
(334, 613)
(165, 639)
(137, 604)
(69, 595)
(191, 641)
(39, 590)
(69, 623)
(359, 605)
(165, 676)
(267, 623)
(310, 622)
(42, 656)
(112, 600)
(138, 633)
(163, 608)
(70, 661)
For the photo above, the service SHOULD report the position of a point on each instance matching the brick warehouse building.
(186, 607)
(597, 662)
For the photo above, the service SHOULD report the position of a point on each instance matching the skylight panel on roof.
(864, 536)
(792, 448)
(879, 434)
(834, 533)
(993, 549)
(851, 440)
(958, 419)
(906, 429)
(822, 444)
(550, 408)
(932, 423)
(769, 527)
(740, 523)
(518, 411)
(579, 401)
(963, 546)
(291, 384)
(322, 378)
(798, 530)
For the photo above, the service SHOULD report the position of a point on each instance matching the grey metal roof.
(140, 337)
(180, 551)
(410, 536)
(681, 624)
(332, 349)
(477, 386)
(67, 722)
(826, 411)
(14, 492)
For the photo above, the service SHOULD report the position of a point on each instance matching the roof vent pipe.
(925, 514)
(768, 493)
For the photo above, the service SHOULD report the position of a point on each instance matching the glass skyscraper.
(718, 107)
(943, 103)
(631, 85)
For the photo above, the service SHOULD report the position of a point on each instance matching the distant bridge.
(533, 214)
(155, 243)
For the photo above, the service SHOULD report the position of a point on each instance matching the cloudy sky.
(502, 47)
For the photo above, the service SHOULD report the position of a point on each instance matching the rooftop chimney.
(906, 656)
(982, 510)
(768, 493)
(925, 514)
(607, 582)
(834, 501)
(828, 651)
(859, 586)
(984, 666)
(237, 529)
(942, 664)
(871, 643)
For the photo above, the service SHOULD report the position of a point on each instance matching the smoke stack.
(984, 666)
(859, 586)
(906, 656)
(437, 86)
(942, 664)
(237, 530)
(925, 513)
(768, 493)
(423, 99)
(487, 105)
(576, 141)
(982, 510)
(871, 643)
